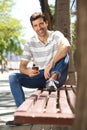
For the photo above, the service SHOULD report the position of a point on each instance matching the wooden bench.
(44, 107)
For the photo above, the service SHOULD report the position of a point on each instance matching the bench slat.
(44, 118)
(40, 104)
(64, 106)
(52, 103)
(29, 101)
(71, 97)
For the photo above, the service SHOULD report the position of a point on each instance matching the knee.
(12, 77)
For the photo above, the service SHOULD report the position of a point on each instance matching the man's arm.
(23, 67)
(63, 49)
(28, 71)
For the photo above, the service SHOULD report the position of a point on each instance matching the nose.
(39, 27)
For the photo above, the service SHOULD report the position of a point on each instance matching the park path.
(7, 104)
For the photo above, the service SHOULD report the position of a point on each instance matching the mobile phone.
(35, 67)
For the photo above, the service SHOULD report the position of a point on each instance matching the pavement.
(8, 107)
(7, 104)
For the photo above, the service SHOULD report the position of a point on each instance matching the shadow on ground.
(7, 104)
(7, 107)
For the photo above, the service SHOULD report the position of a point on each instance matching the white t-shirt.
(40, 53)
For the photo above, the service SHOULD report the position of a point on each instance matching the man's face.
(40, 27)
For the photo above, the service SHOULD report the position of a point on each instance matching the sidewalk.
(7, 104)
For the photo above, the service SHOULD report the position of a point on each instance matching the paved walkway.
(7, 105)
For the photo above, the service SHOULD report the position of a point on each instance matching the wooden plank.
(29, 101)
(74, 88)
(43, 118)
(40, 103)
(71, 98)
(52, 103)
(63, 103)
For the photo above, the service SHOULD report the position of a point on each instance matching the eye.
(42, 23)
(34, 25)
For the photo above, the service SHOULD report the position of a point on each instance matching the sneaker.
(51, 84)
(12, 123)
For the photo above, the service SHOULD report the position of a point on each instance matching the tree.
(81, 100)
(63, 24)
(10, 31)
(73, 27)
(46, 10)
(60, 20)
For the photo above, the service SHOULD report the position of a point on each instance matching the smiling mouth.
(41, 30)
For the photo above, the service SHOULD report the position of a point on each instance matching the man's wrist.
(51, 64)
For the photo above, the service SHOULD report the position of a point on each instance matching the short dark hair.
(37, 15)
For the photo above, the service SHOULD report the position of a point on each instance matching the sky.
(22, 10)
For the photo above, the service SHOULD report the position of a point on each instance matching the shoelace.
(55, 81)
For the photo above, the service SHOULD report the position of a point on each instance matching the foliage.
(52, 9)
(73, 27)
(10, 31)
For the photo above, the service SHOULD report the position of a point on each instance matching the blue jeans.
(17, 80)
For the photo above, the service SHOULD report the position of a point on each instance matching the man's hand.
(28, 71)
(33, 72)
(47, 69)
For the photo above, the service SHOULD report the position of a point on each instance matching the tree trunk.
(81, 101)
(62, 17)
(46, 10)
(62, 23)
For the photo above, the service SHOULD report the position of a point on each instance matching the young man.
(49, 52)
